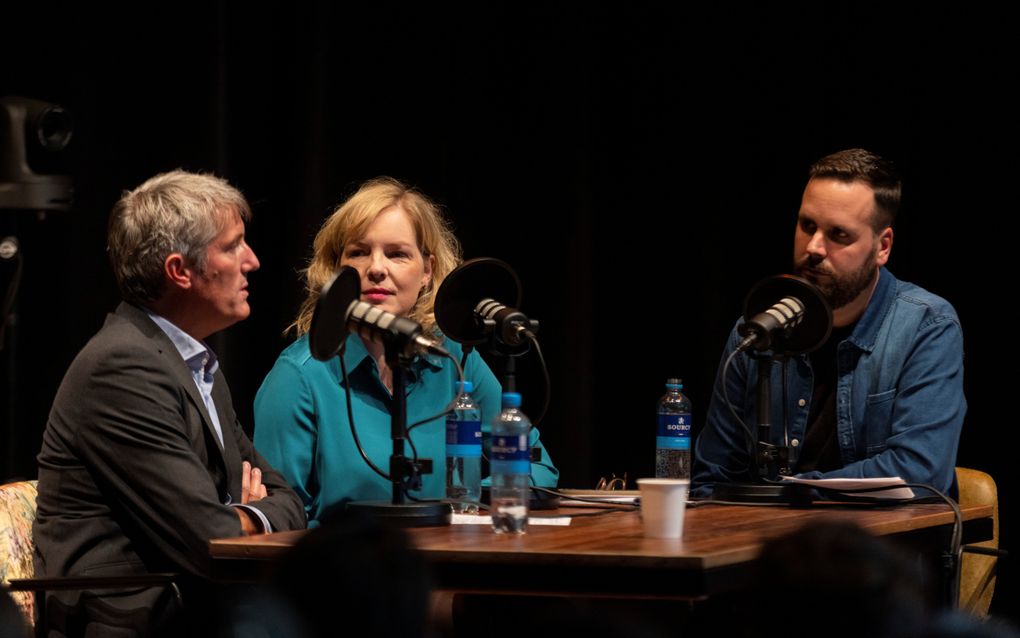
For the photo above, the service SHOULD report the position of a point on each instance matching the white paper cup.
(662, 506)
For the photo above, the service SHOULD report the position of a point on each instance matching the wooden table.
(608, 556)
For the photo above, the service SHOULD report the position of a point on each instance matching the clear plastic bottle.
(464, 453)
(673, 440)
(511, 467)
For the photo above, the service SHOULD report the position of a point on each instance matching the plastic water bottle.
(511, 467)
(464, 453)
(673, 442)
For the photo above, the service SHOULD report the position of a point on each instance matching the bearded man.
(884, 395)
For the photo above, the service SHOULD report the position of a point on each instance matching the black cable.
(712, 501)
(749, 439)
(786, 414)
(545, 374)
(449, 407)
(407, 433)
(622, 507)
(953, 558)
(600, 512)
(986, 551)
(956, 539)
(414, 450)
(350, 420)
(451, 404)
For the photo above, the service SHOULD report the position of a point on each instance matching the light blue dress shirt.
(203, 364)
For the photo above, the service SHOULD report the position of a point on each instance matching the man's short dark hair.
(859, 165)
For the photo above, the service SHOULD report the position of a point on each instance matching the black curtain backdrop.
(640, 167)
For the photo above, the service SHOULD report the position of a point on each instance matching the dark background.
(639, 167)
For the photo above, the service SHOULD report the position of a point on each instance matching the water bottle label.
(674, 432)
(511, 455)
(464, 437)
(672, 443)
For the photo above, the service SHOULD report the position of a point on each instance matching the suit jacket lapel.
(231, 454)
(179, 369)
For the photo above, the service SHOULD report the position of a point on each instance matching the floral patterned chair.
(17, 511)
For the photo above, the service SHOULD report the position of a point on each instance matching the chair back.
(17, 512)
(977, 571)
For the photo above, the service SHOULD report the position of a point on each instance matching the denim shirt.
(899, 397)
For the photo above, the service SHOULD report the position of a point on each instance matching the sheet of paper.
(842, 484)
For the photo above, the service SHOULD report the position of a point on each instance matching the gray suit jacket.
(132, 478)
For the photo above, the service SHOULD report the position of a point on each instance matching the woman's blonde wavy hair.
(350, 222)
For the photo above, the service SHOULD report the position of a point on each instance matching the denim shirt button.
(794, 442)
(802, 403)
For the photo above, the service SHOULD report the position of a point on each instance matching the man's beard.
(838, 290)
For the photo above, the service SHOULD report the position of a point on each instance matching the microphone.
(470, 306)
(375, 324)
(786, 314)
(510, 325)
(340, 311)
(798, 323)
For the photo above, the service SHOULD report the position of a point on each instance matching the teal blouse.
(301, 424)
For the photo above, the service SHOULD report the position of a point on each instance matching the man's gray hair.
(175, 212)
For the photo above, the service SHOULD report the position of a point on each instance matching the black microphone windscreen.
(462, 290)
(815, 324)
(329, 321)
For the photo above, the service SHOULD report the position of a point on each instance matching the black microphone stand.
(399, 468)
(327, 335)
(538, 500)
(768, 462)
(771, 460)
(405, 473)
(509, 381)
(469, 309)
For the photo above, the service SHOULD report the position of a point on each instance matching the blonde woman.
(402, 249)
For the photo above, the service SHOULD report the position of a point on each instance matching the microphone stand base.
(792, 493)
(406, 514)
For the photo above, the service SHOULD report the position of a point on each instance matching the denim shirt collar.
(866, 332)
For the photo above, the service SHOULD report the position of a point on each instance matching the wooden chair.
(977, 571)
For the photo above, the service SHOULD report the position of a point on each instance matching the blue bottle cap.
(468, 387)
(511, 399)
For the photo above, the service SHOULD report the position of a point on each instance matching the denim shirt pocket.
(878, 421)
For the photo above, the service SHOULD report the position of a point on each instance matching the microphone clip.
(410, 471)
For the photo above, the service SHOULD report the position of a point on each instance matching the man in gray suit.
(143, 461)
